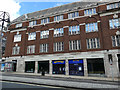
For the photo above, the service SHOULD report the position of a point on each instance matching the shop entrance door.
(119, 61)
(14, 65)
(76, 67)
(58, 67)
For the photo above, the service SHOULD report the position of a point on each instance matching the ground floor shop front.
(74, 64)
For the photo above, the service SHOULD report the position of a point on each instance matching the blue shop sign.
(75, 61)
(58, 62)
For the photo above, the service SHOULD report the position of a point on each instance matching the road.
(15, 85)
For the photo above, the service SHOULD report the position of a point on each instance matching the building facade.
(80, 39)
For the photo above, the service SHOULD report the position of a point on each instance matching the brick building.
(80, 38)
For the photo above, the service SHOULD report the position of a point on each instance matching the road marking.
(34, 85)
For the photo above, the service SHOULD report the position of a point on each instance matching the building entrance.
(14, 65)
(119, 61)
(30, 66)
(43, 66)
(76, 67)
(95, 66)
(58, 67)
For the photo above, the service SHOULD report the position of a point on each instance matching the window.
(17, 38)
(31, 49)
(114, 23)
(58, 32)
(112, 6)
(74, 30)
(45, 20)
(73, 14)
(31, 23)
(93, 43)
(91, 27)
(43, 47)
(44, 34)
(58, 18)
(74, 45)
(90, 11)
(16, 50)
(32, 36)
(116, 41)
(18, 25)
(58, 46)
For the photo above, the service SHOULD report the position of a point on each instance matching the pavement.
(63, 81)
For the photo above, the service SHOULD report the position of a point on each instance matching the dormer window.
(45, 20)
(58, 18)
(73, 14)
(112, 6)
(90, 11)
(31, 23)
(18, 25)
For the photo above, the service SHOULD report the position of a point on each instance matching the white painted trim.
(18, 30)
(51, 29)
(65, 26)
(82, 24)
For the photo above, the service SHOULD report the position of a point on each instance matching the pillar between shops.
(50, 67)
(66, 67)
(36, 67)
(85, 67)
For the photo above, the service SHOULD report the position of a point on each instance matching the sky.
(17, 8)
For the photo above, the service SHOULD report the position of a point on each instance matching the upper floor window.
(58, 32)
(31, 49)
(45, 20)
(32, 36)
(93, 43)
(74, 45)
(116, 41)
(74, 30)
(112, 6)
(58, 46)
(90, 11)
(31, 23)
(16, 50)
(44, 34)
(91, 27)
(43, 47)
(18, 25)
(114, 23)
(58, 18)
(17, 38)
(73, 14)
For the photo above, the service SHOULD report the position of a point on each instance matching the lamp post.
(4, 17)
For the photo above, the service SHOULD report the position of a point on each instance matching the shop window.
(76, 67)
(58, 67)
(30, 67)
(95, 66)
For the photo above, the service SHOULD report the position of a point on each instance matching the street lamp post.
(4, 17)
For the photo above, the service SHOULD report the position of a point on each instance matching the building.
(80, 39)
